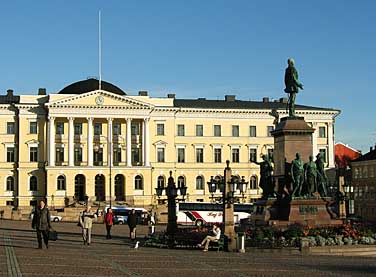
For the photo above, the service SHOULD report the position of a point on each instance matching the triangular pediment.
(99, 98)
(160, 143)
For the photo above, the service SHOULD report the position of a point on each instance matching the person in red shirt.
(108, 220)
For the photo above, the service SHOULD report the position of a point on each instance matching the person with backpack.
(108, 220)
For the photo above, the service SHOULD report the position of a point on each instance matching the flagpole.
(100, 52)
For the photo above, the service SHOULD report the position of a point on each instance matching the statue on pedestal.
(266, 181)
(292, 86)
(322, 180)
(310, 174)
(297, 175)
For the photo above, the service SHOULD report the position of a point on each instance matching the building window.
(160, 155)
(181, 155)
(199, 155)
(33, 154)
(161, 182)
(235, 155)
(97, 128)
(33, 183)
(269, 130)
(322, 132)
(135, 129)
(252, 131)
(252, 154)
(160, 129)
(59, 154)
(10, 128)
(181, 182)
(59, 128)
(117, 155)
(271, 154)
(77, 155)
(136, 155)
(235, 130)
(33, 127)
(217, 130)
(199, 130)
(78, 129)
(217, 155)
(138, 183)
(61, 182)
(199, 183)
(116, 128)
(98, 156)
(10, 154)
(365, 172)
(371, 172)
(253, 182)
(181, 131)
(10, 183)
(323, 154)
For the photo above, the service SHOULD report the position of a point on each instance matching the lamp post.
(109, 161)
(172, 193)
(349, 199)
(228, 185)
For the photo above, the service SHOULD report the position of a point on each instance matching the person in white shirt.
(217, 235)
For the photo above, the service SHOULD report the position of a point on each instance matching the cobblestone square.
(69, 257)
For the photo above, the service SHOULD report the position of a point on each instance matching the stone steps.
(354, 250)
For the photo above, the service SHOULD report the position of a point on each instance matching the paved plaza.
(69, 257)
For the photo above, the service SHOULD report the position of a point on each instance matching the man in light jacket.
(86, 222)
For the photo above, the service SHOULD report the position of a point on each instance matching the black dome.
(90, 85)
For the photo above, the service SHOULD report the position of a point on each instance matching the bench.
(218, 244)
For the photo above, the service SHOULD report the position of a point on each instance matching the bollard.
(240, 243)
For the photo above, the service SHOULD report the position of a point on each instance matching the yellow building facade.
(86, 144)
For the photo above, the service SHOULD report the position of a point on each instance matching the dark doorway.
(100, 192)
(119, 188)
(79, 187)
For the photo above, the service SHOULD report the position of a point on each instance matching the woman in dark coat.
(42, 223)
(132, 222)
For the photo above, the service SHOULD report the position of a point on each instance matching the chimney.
(171, 95)
(265, 99)
(230, 98)
(10, 92)
(142, 93)
(42, 91)
(201, 98)
(283, 100)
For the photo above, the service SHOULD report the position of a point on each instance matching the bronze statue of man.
(297, 175)
(322, 180)
(310, 173)
(266, 181)
(292, 85)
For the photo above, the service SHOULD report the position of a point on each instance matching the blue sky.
(201, 48)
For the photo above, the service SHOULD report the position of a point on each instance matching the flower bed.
(346, 234)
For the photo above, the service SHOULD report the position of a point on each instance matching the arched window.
(33, 182)
(199, 183)
(253, 182)
(181, 181)
(138, 182)
(161, 181)
(10, 183)
(61, 182)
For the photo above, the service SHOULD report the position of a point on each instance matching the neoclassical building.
(89, 143)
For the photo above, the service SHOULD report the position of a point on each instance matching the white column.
(146, 147)
(315, 150)
(109, 142)
(330, 145)
(71, 142)
(129, 142)
(90, 141)
(51, 135)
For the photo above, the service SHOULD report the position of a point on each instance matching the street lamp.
(349, 189)
(172, 193)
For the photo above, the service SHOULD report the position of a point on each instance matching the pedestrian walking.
(42, 223)
(132, 223)
(108, 220)
(86, 222)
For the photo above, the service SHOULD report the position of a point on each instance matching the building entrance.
(119, 188)
(79, 187)
(100, 187)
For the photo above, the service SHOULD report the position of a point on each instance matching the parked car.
(53, 218)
